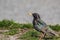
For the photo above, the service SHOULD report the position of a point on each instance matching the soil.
(13, 37)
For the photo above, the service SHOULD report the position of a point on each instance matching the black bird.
(41, 26)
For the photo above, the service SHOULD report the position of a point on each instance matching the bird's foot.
(40, 39)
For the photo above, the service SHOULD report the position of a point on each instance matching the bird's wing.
(40, 22)
(41, 25)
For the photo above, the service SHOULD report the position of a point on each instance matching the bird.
(41, 26)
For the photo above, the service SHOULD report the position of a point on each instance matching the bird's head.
(35, 15)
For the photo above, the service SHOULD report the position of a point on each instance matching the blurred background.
(17, 10)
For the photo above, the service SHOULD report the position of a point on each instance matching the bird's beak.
(30, 14)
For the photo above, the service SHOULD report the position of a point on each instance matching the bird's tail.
(53, 32)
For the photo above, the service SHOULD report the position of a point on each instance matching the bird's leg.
(41, 36)
(44, 35)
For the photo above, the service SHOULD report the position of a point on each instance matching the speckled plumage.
(41, 26)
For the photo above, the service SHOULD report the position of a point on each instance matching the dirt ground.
(9, 37)
(13, 37)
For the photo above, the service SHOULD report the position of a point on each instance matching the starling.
(41, 26)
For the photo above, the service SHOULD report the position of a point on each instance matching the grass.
(30, 35)
(34, 35)
(29, 26)
(13, 27)
(55, 27)
(10, 24)
(11, 32)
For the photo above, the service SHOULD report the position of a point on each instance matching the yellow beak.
(30, 14)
